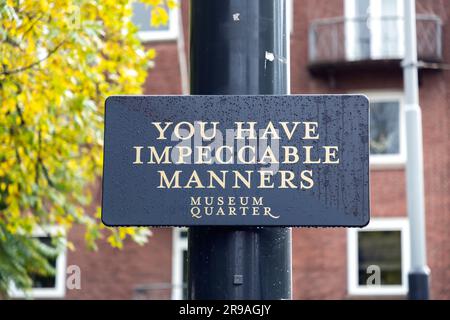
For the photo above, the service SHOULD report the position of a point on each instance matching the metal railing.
(342, 39)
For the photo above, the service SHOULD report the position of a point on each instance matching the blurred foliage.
(59, 60)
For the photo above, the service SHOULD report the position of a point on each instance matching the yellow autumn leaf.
(151, 54)
(70, 245)
(159, 17)
(154, 3)
(172, 4)
(114, 241)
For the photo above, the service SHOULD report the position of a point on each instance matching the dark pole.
(239, 47)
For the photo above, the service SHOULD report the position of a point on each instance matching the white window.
(179, 263)
(290, 15)
(374, 29)
(387, 130)
(378, 257)
(53, 286)
(142, 18)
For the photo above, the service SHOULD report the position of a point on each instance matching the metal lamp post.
(239, 47)
(418, 277)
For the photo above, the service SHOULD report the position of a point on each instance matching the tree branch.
(21, 69)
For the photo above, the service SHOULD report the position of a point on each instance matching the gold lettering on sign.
(257, 163)
(202, 207)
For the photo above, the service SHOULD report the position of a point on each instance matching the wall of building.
(320, 257)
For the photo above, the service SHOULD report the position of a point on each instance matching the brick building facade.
(354, 50)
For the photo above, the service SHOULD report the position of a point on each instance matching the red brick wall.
(319, 255)
(435, 101)
(164, 78)
(114, 274)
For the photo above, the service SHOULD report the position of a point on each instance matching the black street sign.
(294, 160)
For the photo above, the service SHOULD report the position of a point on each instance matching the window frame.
(179, 244)
(290, 16)
(378, 224)
(163, 35)
(376, 43)
(389, 161)
(59, 291)
(350, 30)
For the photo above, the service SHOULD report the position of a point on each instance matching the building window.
(378, 257)
(46, 287)
(179, 263)
(374, 29)
(387, 130)
(142, 17)
(384, 129)
(290, 16)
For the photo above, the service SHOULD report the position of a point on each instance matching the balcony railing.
(340, 40)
